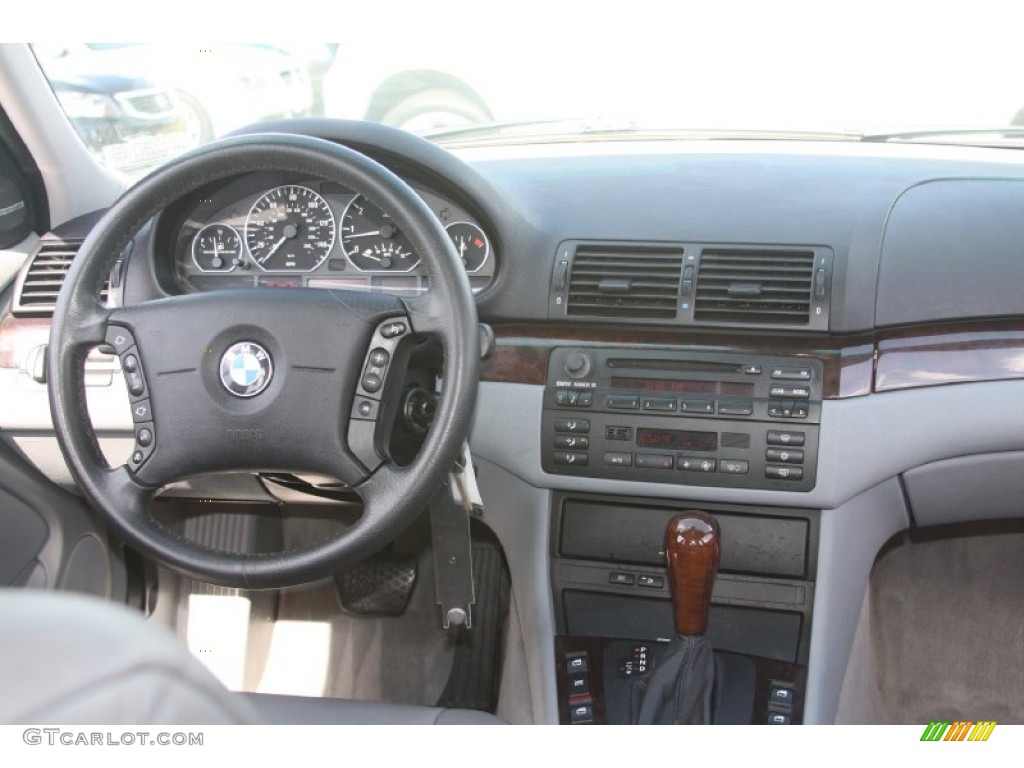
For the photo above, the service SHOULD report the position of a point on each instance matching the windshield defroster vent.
(755, 286)
(41, 282)
(625, 281)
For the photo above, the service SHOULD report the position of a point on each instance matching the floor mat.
(941, 634)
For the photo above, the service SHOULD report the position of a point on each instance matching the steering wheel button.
(120, 339)
(141, 411)
(379, 357)
(371, 382)
(391, 330)
(137, 457)
(144, 437)
(130, 363)
(136, 385)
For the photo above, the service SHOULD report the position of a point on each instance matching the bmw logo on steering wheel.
(246, 369)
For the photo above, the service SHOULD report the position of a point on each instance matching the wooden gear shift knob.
(693, 550)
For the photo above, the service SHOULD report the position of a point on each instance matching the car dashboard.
(819, 343)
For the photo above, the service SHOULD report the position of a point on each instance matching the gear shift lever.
(679, 691)
(693, 550)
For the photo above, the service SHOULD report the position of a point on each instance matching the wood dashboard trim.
(854, 366)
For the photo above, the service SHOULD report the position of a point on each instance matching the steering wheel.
(284, 379)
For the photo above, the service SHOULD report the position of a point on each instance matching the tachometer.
(290, 229)
(371, 242)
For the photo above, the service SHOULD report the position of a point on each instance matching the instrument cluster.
(266, 230)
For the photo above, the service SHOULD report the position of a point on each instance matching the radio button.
(572, 425)
(651, 582)
(615, 459)
(654, 461)
(752, 369)
(792, 374)
(572, 442)
(785, 455)
(585, 400)
(736, 408)
(697, 406)
(659, 404)
(777, 437)
(782, 410)
(733, 466)
(618, 433)
(802, 393)
(696, 464)
(630, 403)
(800, 410)
(773, 472)
(571, 458)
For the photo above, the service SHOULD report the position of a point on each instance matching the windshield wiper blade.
(1003, 136)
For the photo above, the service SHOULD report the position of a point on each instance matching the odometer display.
(676, 439)
(290, 229)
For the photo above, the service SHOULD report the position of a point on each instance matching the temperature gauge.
(217, 248)
(471, 243)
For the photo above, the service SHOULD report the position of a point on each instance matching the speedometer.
(290, 229)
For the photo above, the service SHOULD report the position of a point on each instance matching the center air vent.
(764, 287)
(41, 282)
(625, 281)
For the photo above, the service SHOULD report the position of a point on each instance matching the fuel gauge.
(217, 248)
(471, 243)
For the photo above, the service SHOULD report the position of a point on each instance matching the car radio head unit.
(690, 418)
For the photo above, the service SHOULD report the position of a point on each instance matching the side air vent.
(755, 286)
(625, 281)
(41, 282)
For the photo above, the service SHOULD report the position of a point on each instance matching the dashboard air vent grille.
(41, 282)
(754, 286)
(625, 281)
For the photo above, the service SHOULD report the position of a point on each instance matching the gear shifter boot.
(678, 692)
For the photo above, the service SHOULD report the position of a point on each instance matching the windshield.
(566, 72)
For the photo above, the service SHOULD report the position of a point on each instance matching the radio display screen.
(676, 439)
(683, 386)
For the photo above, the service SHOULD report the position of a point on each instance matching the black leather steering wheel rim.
(392, 495)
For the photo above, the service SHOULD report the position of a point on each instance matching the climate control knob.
(577, 365)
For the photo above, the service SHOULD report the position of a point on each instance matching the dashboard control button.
(141, 411)
(623, 402)
(696, 464)
(144, 437)
(654, 461)
(618, 433)
(785, 455)
(773, 472)
(576, 663)
(733, 466)
(571, 458)
(790, 391)
(577, 365)
(779, 437)
(780, 696)
(372, 382)
(752, 369)
(572, 425)
(579, 684)
(778, 718)
(391, 330)
(735, 408)
(659, 404)
(651, 582)
(586, 399)
(379, 357)
(697, 406)
(621, 578)
(781, 410)
(616, 459)
(580, 714)
(792, 374)
(572, 442)
(800, 410)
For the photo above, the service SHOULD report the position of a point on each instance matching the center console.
(689, 418)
